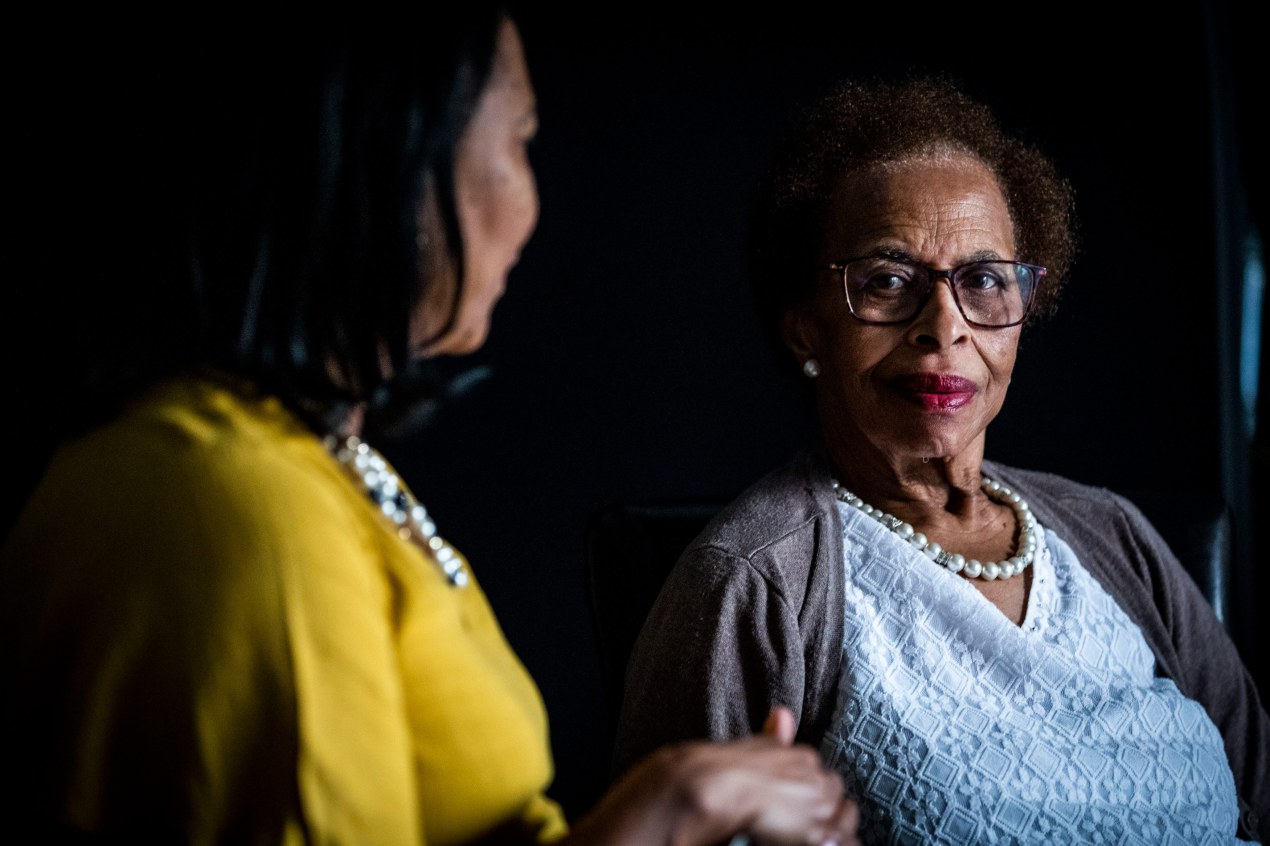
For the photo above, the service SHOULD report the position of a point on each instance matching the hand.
(701, 792)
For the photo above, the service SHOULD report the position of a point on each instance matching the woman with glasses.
(987, 654)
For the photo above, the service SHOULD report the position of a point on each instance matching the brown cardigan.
(746, 620)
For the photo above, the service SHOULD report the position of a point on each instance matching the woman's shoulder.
(1092, 517)
(1056, 489)
(780, 516)
(192, 476)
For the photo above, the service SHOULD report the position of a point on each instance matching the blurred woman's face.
(497, 200)
(926, 388)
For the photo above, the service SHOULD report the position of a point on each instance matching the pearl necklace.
(368, 468)
(955, 563)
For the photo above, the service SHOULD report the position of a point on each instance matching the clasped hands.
(763, 790)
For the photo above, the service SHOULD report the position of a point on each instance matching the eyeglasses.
(990, 294)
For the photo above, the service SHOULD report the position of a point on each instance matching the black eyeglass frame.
(934, 275)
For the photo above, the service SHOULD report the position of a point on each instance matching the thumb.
(780, 725)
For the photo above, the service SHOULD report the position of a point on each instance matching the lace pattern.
(955, 726)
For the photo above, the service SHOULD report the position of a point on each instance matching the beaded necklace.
(384, 487)
(953, 562)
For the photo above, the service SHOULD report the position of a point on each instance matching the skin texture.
(691, 793)
(497, 198)
(904, 450)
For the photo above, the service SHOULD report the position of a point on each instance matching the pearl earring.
(811, 368)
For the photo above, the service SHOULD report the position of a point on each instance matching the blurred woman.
(228, 619)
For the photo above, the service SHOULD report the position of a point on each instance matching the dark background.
(625, 361)
(626, 365)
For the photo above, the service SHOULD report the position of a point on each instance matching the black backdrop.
(624, 361)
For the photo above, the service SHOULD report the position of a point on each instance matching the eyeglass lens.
(990, 293)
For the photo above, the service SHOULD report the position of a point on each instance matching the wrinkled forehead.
(936, 176)
(930, 202)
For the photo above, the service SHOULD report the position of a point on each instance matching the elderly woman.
(986, 654)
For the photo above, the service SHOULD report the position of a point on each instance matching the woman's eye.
(981, 281)
(886, 283)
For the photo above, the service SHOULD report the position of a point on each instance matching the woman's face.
(929, 387)
(497, 200)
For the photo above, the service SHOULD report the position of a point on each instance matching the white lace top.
(954, 726)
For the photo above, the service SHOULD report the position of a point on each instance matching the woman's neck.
(920, 489)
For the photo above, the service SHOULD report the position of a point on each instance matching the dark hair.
(860, 124)
(258, 214)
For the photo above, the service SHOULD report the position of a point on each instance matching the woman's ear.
(798, 333)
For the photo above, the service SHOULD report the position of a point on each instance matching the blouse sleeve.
(155, 643)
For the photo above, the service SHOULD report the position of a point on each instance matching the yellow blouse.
(211, 632)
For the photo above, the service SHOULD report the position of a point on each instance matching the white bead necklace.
(381, 483)
(1017, 563)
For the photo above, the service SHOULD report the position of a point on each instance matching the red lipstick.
(936, 391)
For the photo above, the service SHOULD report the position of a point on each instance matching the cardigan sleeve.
(720, 647)
(1206, 665)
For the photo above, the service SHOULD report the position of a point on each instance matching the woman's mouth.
(936, 391)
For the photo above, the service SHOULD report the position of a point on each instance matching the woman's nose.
(940, 323)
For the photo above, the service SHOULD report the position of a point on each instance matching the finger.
(780, 724)
(842, 829)
(803, 813)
